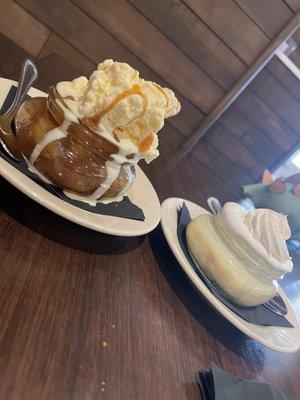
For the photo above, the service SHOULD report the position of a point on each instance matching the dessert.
(87, 135)
(243, 253)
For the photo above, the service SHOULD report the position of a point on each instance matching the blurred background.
(199, 48)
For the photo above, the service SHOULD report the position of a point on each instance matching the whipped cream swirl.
(271, 229)
(264, 232)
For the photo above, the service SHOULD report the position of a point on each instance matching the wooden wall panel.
(79, 30)
(56, 45)
(250, 105)
(228, 21)
(294, 4)
(201, 174)
(232, 148)
(269, 15)
(220, 166)
(22, 28)
(143, 39)
(185, 29)
(274, 95)
(234, 122)
(262, 147)
(285, 77)
(14, 56)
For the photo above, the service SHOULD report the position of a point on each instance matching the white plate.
(141, 193)
(286, 340)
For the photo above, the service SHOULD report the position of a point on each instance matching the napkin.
(217, 384)
(122, 209)
(256, 315)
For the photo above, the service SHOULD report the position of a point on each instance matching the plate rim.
(238, 322)
(68, 211)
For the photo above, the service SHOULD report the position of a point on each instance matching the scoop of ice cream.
(73, 93)
(117, 100)
(264, 230)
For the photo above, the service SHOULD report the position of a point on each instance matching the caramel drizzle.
(158, 87)
(134, 90)
(93, 122)
(146, 143)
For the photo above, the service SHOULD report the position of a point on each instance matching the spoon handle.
(214, 205)
(28, 75)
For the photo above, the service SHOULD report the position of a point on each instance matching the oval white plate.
(286, 340)
(141, 193)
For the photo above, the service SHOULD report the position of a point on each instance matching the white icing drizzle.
(36, 172)
(51, 136)
(57, 133)
(125, 147)
(121, 195)
(108, 200)
(113, 166)
(112, 172)
(271, 229)
(70, 115)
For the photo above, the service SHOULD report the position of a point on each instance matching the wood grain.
(21, 27)
(232, 148)
(250, 105)
(273, 94)
(238, 89)
(169, 140)
(263, 148)
(295, 57)
(184, 28)
(219, 165)
(56, 45)
(270, 15)
(234, 122)
(285, 77)
(294, 4)
(227, 20)
(14, 56)
(97, 44)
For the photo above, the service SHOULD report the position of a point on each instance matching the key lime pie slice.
(243, 253)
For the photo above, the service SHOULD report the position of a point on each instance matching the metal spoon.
(8, 139)
(214, 205)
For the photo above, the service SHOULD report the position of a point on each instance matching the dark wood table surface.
(90, 316)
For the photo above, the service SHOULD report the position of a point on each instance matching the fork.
(8, 139)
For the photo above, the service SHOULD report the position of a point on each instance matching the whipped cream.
(271, 229)
(265, 231)
(116, 100)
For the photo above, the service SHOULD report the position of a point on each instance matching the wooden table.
(90, 316)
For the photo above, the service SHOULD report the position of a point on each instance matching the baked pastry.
(87, 135)
(243, 253)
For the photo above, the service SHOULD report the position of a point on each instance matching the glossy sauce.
(124, 155)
